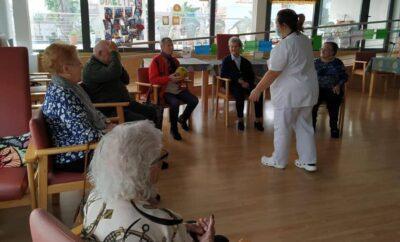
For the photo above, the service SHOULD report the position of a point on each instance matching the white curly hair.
(120, 168)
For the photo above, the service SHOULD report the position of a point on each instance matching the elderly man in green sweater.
(105, 80)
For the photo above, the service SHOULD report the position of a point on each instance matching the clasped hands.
(204, 229)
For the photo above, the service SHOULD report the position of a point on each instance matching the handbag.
(79, 214)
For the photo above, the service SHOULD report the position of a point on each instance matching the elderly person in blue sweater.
(331, 78)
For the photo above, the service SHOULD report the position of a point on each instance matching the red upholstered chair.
(45, 227)
(223, 45)
(15, 106)
(49, 181)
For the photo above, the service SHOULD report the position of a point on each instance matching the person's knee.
(195, 101)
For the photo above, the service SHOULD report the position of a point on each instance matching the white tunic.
(119, 215)
(297, 85)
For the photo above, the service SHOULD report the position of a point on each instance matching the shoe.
(259, 126)
(240, 126)
(307, 167)
(183, 123)
(164, 165)
(176, 134)
(335, 133)
(268, 161)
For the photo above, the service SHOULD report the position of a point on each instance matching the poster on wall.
(124, 23)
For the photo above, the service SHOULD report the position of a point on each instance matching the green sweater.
(106, 83)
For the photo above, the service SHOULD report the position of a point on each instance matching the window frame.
(85, 21)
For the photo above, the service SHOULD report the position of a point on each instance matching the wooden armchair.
(42, 151)
(360, 66)
(14, 121)
(222, 90)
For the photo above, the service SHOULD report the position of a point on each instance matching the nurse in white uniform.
(294, 91)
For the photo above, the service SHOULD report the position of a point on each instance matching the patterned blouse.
(67, 121)
(330, 73)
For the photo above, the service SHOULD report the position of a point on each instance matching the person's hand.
(244, 84)
(195, 228)
(254, 95)
(109, 127)
(336, 89)
(209, 230)
(112, 46)
(175, 78)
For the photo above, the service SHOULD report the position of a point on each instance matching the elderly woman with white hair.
(123, 171)
(240, 71)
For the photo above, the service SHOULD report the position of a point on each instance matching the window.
(123, 22)
(395, 31)
(334, 12)
(378, 10)
(7, 32)
(53, 20)
(305, 8)
(179, 19)
(234, 17)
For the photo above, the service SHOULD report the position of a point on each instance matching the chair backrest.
(45, 227)
(15, 99)
(39, 135)
(365, 56)
(143, 76)
(223, 45)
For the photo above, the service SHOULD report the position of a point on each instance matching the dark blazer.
(229, 70)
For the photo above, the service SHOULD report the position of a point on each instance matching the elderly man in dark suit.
(240, 71)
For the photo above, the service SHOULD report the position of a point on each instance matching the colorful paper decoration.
(264, 46)
(369, 33)
(381, 34)
(202, 49)
(165, 20)
(317, 42)
(251, 45)
(214, 49)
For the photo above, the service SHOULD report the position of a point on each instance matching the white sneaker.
(268, 161)
(307, 167)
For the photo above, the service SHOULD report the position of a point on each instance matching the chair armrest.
(63, 149)
(223, 79)
(107, 105)
(77, 230)
(362, 62)
(30, 155)
(145, 84)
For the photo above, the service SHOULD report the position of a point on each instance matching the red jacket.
(158, 72)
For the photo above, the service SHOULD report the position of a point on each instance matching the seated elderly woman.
(240, 71)
(123, 175)
(68, 111)
(331, 78)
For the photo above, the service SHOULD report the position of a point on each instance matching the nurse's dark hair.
(293, 20)
(334, 46)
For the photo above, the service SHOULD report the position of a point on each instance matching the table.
(382, 64)
(194, 64)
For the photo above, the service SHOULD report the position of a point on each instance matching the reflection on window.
(55, 20)
(179, 19)
(123, 22)
(378, 10)
(234, 17)
(305, 8)
(334, 12)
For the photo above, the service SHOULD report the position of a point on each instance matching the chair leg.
(42, 183)
(226, 112)
(363, 83)
(216, 107)
(341, 117)
(55, 199)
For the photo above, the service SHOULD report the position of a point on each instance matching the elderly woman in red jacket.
(162, 72)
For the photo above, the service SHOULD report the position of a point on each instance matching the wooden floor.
(354, 196)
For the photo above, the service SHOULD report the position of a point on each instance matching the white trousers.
(300, 120)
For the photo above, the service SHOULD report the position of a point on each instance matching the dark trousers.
(137, 111)
(333, 102)
(174, 100)
(240, 94)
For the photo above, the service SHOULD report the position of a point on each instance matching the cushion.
(13, 149)
(13, 183)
